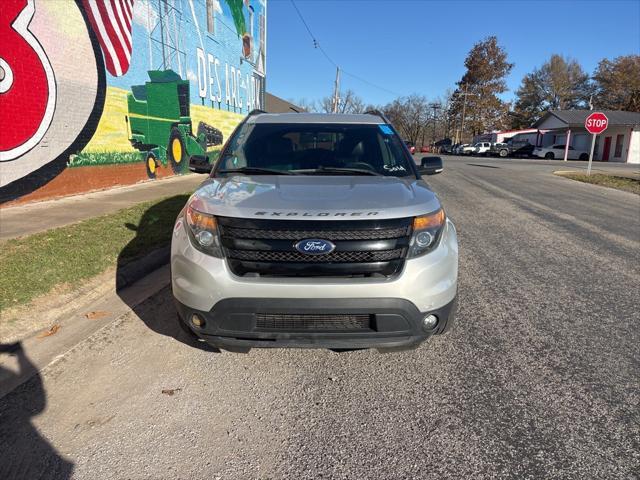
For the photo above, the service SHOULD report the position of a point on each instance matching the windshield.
(331, 149)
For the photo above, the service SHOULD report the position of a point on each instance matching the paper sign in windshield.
(386, 129)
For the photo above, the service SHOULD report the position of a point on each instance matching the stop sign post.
(595, 124)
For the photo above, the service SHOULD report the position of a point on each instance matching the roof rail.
(255, 111)
(377, 113)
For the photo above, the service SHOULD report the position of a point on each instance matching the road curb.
(139, 268)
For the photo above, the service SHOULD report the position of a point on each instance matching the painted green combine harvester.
(160, 125)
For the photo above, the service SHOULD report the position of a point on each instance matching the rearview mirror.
(431, 165)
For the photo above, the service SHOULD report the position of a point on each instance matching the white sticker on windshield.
(395, 168)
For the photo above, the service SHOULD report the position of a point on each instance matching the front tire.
(176, 151)
(584, 156)
(503, 153)
(152, 165)
(549, 156)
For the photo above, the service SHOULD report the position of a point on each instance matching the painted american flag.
(111, 22)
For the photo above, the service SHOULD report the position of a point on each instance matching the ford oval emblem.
(315, 246)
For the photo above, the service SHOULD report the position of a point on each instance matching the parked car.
(459, 147)
(424, 149)
(467, 149)
(446, 149)
(411, 147)
(288, 243)
(557, 151)
(513, 149)
(482, 148)
(499, 150)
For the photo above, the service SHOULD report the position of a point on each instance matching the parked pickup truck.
(482, 148)
(512, 149)
(315, 230)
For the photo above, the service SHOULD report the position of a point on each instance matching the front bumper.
(393, 323)
(205, 285)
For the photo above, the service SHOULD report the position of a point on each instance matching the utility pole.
(465, 94)
(464, 111)
(336, 91)
(435, 107)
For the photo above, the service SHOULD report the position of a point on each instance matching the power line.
(316, 44)
(371, 84)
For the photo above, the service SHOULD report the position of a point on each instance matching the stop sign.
(596, 123)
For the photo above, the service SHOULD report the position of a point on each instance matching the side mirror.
(431, 165)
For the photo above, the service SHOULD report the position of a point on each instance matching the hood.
(315, 197)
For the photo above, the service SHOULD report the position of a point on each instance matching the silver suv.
(314, 230)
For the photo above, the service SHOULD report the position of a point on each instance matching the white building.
(502, 136)
(620, 142)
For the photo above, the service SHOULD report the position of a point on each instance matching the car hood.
(314, 197)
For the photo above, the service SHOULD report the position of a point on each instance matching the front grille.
(379, 234)
(276, 321)
(362, 247)
(294, 256)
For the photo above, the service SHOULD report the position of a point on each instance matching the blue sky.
(419, 46)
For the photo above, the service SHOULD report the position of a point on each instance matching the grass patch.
(37, 264)
(85, 159)
(612, 181)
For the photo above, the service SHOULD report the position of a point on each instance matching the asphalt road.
(540, 377)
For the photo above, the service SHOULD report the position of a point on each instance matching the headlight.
(426, 233)
(203, 230)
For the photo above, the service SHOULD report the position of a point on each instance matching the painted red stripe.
(120, 26)
(107, 58)
(128, 10)
(110, 29)
(112, 26)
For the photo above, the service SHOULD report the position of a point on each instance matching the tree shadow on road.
(141, 257)
(24, 453)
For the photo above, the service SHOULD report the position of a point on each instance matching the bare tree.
(348, 102)
(409, 115)
(306, 104)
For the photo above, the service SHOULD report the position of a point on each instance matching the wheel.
(549, 156)
(584, 156)
(152, 165)
(176, 151)
(503, 153)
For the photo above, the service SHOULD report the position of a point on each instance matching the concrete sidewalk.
(40, 216)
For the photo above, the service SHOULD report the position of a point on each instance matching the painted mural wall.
(98, 93)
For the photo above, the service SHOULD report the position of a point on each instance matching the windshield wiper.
(346, 171)
(257, 170)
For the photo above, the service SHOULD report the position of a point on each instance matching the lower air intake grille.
(292, 256)
(274, 321)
